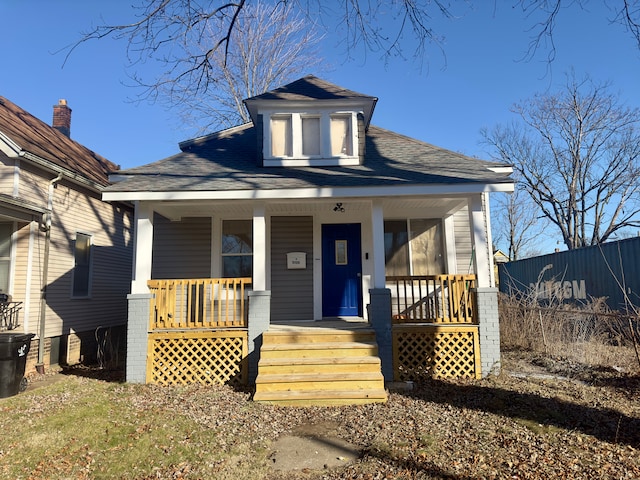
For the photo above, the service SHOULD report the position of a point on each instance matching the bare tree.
(270, 46)
(577, 153)
(516, 222)
(163, 28)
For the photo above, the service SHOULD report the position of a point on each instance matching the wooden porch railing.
(205, 303)
(433, 299)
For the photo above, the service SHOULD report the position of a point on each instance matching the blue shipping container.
(610, 270)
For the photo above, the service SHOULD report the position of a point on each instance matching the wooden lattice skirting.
(205, 357)
(435, 351)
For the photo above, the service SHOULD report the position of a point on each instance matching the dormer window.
(311, 136)
(341, 138)
(281, 138)
(321, 138)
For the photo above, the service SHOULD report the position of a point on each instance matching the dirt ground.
(542, 417)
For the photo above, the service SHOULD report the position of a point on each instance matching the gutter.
(68, 174)
(46, 226)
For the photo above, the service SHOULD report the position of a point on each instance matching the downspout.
(45, 273)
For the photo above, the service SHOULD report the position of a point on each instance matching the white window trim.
(297, 159)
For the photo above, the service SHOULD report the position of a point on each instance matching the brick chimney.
(62, 117)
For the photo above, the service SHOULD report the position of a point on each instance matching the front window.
(5, 256)
(413, 247)
(237, 248)
(82, 266)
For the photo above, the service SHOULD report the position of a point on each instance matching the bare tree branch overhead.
(196, 42)
(270, 46)
(577, 153)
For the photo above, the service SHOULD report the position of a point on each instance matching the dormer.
(311, 122)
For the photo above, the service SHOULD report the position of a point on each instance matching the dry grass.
(589, 335)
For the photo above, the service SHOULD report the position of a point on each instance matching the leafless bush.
(589, 333)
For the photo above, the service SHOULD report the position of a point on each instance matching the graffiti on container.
(22, 351)
(560, 290)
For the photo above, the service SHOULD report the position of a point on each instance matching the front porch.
(219, 331)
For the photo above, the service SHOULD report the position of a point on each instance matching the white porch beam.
(259, 248)
(142, 248)
(377, 230)
(311, 193)
(479, 239)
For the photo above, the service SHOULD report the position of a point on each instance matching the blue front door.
(341, 270)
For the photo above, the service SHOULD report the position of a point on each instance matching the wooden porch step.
(320, 335)
(318, 349)
(323, 397)
(318, 381)
(319, 366)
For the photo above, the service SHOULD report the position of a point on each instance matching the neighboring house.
(65, 254)
(499, 257)
(322, 214)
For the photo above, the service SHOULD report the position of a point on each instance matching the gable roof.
(227, 161)
(34, 140)
(311, 88)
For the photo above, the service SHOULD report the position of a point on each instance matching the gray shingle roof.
(310, 87)
(228, 161)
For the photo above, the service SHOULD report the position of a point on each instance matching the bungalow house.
(274, 251)
(65, 254)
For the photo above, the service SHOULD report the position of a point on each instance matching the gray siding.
(181, 249)
(291, 290)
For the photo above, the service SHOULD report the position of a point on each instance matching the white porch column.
(479, 238)
(142, 247)
(377, 230)
(259, 249)
(450, 245)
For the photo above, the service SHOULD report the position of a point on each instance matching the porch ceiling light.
(338, 208)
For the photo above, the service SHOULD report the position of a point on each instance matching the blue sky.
(446, 104)
(472, 86)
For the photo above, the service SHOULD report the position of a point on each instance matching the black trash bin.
(14, 348)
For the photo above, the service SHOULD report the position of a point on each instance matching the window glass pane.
(427, 254)
(341, 252)
(4, 276)
(237, 266)
(82, 268)
(310, 136)
(237, 236)
(5, 255)
(396, 247)
(5, 240)
(341, 136)
(281, 136)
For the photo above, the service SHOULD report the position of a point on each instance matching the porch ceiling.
(431, 207)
